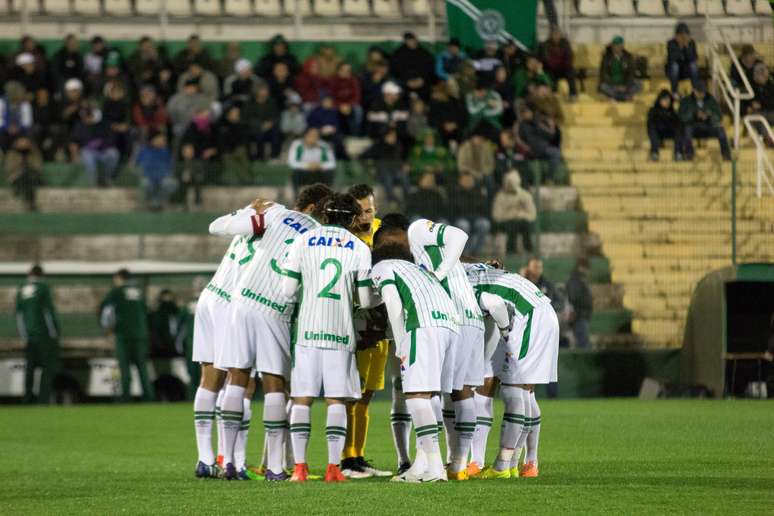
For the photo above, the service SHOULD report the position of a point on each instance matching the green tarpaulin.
(475, 21)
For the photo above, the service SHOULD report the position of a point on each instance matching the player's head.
(391, 236)
(36, 271)
(311, 196)
(121, 277)
(339, 210)
(534, 268)
(364, 195)
(395, 220)
(391, 251)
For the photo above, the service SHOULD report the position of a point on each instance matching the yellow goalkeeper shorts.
(371, 363)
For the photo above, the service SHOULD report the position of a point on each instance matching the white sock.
(233, 406)
(275, 424)
(452, 442)
(484, 406)
(240, 445)
(300, 428)
(287, 459)
(336, 431)
(533, 437)
(204, 415)
(401, 426)
(513, 433)
(436, 403)
(465, 426)
(426, 428)
(219, 418)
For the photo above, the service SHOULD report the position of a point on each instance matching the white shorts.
(531, 354)
(492, 340)
(328, 373)
(210, 324)
(256, 340)
(469, 358)
(427, 360)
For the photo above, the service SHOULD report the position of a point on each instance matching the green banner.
(475, 21)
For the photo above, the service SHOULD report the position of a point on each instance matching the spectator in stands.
(293, 119)
(155, 160)
(208, 82)
(15, 114)
(447, 115)
(513, 213)
(345, 89)
(513, 57)
(485, 108)
(116, 113)
(413, 66)
(113, 72)
(312, 160)
(199, 153)
(427, 156)
(94, 64)
(28, 75)
(262, 117)
(417, 122)
(309, 84)
(557, 57)
(67, 62)
(182, 105)
(449, 61)
(28, 45)
(748, 58)
(23, 166)
(701, 117)
(387, 156)
(763, 101)
(579, 297)
(233, 137)
(165, 83)
(542, 139)
(426, 201)
(546, 103)
(476, 157)
(682, 59)
(146, 63)
(531, 72)
(148, 113)
(279, 53)
(375, 57)
(280, 84)
(469, 209)
(194, 51)
(504, 87)
(325, 118)
(328, 61)
(663, 123)
(67, 114)
(93, 144)
(533, 271)
(240, 86)
(371, 83)
(488, 60)
(389, 111)
(226, 65)
(616, 72)
(510, 156)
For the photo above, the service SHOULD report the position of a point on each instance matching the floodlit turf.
(615, 456)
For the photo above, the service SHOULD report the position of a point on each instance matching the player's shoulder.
(426, 227)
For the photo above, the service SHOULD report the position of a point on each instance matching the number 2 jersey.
(330, 263)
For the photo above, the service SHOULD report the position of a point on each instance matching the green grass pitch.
(613, 456)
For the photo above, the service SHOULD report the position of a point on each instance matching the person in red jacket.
(345, 90)
(148, 113)
(309, 85)
(557, 57)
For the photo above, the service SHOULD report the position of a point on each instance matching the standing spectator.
(15, 114)
(123, 313)
(240, 86)
(510, 156)
(94, 64)
(682, 60)
(182, 105)
(372, 82)
(325, 118)
(279, 53)
(663, 123)
(231, 56)
(38, 327)
(146, 63)
(449, 61)
(541, 138)
(701, 117)
(469, 210)
(293, 119)
(199, 151)
(208, 82)
(280, 84)
(387, 156)
(579, 297)
(477, 158)
(748, 58)
(417, 122)
(67, 62)
(148, 113)
(116, 113)
(262, 117)
(389, 112)
(194, 51)
(448, 115)
(513, 213)
(155, 160)
(533, 271)
(484, 106)
(413, 66)
(428, 156)
(233, 139)
(345, 88)
(328, 61)
(616, 72)
(93, 143)
(531, 72)
(557, 57)
(427, 201)
(23, 165)
(312, 160)
(763, 88)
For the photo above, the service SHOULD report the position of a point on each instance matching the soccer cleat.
(369, 468)
(276, 477)
(254, 476)
(489, 473)
(219, 461)
(514, 472)
(528, 470)
(473, 470)
(243, 474)
(459, 475)
(300, 473)
(205, 471)
(230, 472)
(258, 470)
(351, 468)
(411, 477)
(333, 474)
(403, 468)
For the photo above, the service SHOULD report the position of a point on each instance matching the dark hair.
(582, 263)
(124, 274)
(339, 209)
(390, 252)
(312, 194)
(395, 220)
(36, 270)
(360, 191)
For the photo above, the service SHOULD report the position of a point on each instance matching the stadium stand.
(268, 7)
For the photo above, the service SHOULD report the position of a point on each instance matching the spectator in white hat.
(241, 85)
(28, 75)
(390, 111)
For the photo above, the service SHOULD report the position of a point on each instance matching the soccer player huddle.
(315, 301)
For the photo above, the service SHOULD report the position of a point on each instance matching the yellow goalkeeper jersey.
(368, 237)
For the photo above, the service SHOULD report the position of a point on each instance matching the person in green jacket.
(485, 108)
(701, 116)
(428, 155)
(184, 344)
(38, 327)
(530, 72)
(123, 313)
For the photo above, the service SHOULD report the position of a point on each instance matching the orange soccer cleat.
(219, 461)
(334, 474)
(528, 470)
(300, 473)
(473, 470)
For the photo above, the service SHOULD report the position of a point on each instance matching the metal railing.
(764, 167)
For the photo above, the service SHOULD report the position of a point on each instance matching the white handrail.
(764, 165)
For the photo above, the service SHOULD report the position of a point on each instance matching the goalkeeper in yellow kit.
(371, 361)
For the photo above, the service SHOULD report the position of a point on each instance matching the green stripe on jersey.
(523, 306)
(413, 349)
(293, 274)
(525, 337)
(412, 317)
(363, 283)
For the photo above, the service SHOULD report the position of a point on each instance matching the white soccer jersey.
(425, 302)
(330, 263)
(222, 284)
(259, 284)
(523, 295)
(426, 239)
